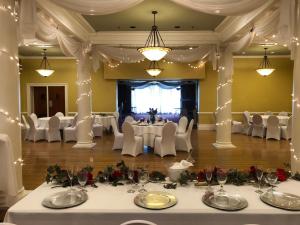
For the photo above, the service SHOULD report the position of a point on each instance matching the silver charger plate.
(224, 201)
(65, 199)
(155, 200)
(281, 200)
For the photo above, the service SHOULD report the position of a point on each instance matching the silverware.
(281, 200)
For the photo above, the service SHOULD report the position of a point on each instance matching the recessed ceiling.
(37, 51)
(170, 16)
(257, 49)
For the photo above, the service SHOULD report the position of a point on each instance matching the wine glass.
(70, 171)
(208, 175)
(259, 176)
(131, 178)
(222, 178)
(82, 178)
(143, 178)
(272, 179)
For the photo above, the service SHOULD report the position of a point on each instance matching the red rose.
(253, 171)
(90, 179)
(281, 174)
(117, 174)
(201, 176)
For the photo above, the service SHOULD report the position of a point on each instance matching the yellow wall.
(249, 90)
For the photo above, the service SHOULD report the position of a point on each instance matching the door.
(56, 95)
(40, 101)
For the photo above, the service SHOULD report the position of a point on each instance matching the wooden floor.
(250, 151)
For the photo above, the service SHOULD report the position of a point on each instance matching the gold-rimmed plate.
(155, 200)
(65, 199)
(281, 200)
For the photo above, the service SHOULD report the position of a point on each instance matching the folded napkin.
(183, 164)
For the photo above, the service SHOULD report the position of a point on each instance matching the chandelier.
(154, 69)
(45, 70)
(265, 66)
(154, 49)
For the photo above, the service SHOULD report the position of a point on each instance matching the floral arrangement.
(152, 112)
(118, 175)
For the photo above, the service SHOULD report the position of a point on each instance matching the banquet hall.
(125, 112)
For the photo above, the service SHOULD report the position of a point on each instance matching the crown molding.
(138, 38)
(259, 56)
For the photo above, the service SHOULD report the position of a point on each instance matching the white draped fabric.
(97, 7)
(222, 7)
(28, 19)
(189, 55)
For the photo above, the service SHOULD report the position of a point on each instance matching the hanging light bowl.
(265, 66)
(45, 70)
(154, 49)
(154, 69)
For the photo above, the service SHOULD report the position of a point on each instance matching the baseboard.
(206, 126)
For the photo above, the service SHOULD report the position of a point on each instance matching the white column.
(84, 106)
(224, 118)
(10, 85)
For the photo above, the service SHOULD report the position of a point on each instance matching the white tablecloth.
(109, 205)
(104, 120)
(64, 121)
(148, 133)
(283, 120)
(8, 176)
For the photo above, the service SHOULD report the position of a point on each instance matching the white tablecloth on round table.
(148, 133)
(8, 176)
(64, 121)
(108, 205)
(104, 120)
(283, 120)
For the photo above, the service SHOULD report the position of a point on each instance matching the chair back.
(129, 119)
(114, 126)
(182, 124)
(247, 115)
(190, 128)
(268, 113)
(32, 127)
(246, 118)
(34, 118)
(272, 122)
(138, 222)
(54, 123)
(59, 114)
(74, 121)
(257, 120)
(168, 133)
(25, 122)
(116, 115)
(128, 133)
(283, 114)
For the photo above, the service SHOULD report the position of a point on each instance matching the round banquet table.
(104, 120)
(283, 120)
(148, 132)
(64, 121)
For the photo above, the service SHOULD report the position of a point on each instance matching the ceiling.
(170, 15)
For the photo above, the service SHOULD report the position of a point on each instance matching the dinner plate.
(65, 199)
(281, 200)
(224, 201)
(155, 200)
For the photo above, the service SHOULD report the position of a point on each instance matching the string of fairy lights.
(12, 10)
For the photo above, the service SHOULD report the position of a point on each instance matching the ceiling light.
(45, 70)
(154, 49)
(154, 69)
(265, 66)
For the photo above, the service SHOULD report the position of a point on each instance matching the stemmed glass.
(259, 176)
(70, 171)
(272, 179)
(82, 178)
(222, 178)
(208, 175)
(143, 178)
(131, 178)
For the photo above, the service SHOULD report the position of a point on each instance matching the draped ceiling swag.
(279, 20)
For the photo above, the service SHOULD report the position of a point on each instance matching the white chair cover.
(273, 128)
(70, 134)
(286, 131)
(35, 133)
(183, 141)
(59, 114)
(247, 126)
(283, 114)
(97, 128)
(116, 115)
(236, 127)
(132, 145)
(165, 145)
(129, 119)
(182, 124)
(74, 121)
(35, 119)
(138, 222)
(118, 142)
(26, 128)
(258, 126)
(53, 132)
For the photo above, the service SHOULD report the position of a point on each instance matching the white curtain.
(97, 7)
(165, 100)
(222, 7)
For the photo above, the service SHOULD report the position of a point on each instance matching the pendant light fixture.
(154, 49)
(265, 68)
(154, 69)
(45, 70)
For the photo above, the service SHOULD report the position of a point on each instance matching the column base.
(223, 145)
(84, 145)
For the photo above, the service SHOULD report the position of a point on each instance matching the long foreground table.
(109, 205)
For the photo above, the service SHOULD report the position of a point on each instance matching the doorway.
(47, 99)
